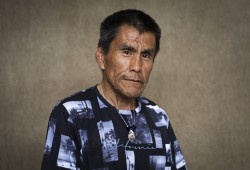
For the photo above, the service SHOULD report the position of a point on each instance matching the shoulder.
(71, 108)
(78, 96)
(145, 101)
(157, 114)
(151, 105)
(75, 99)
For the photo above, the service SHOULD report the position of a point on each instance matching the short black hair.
(131, 17)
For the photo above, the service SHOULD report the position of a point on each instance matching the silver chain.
(133, 117)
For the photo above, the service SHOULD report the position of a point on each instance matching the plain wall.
(201, 75)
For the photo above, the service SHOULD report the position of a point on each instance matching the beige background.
(201, 75)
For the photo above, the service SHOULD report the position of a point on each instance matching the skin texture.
(126, 67)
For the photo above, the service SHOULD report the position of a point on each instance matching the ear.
(99, 56)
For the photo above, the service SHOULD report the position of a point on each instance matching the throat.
(118, 101)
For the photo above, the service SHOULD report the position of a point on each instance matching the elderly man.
(111, 126)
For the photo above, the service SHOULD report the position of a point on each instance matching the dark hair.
(132, 17)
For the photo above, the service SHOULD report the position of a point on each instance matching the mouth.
(134, 80)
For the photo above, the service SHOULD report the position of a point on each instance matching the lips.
(134, 80)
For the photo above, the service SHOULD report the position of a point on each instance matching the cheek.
(148, 70)
(120, 67)
(114, 70)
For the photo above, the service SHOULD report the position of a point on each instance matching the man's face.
(129, 61)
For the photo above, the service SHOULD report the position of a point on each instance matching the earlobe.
(100, 58)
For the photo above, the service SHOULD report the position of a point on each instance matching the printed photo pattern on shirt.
(158, 139)
(130, 160)
(142, 131)
(143, 100)
(108, 141)
(157, 162)
(155, 146)
(179, 159)
(158, 115)
(101, 104)
(169, 153)
(84, 138)
(168, 168)
(66, 157)
(50, 136)
(79, 109)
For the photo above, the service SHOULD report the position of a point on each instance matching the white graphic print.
(143, 100)
(179, 159)
(169, 153)
(84, 138)
(130, 160)
(158, 115)
(101, 104)
(158, 139)
(108, 140)
(50, 136)
(66, 157)
(70, 120)
(142, 132)
(79, 109)
(157, 162)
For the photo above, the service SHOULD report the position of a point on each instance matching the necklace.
(131, 129)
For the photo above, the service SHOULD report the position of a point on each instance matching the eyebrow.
(126, 47)
(149, 51)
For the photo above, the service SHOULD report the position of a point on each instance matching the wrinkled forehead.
(130, 35)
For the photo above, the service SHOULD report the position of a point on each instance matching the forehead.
(130, 35)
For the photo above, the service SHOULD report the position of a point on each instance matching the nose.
(135, 63)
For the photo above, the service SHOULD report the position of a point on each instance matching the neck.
(119, 101)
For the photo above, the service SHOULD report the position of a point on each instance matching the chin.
(132, 93)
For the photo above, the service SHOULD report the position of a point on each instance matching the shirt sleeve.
(177, 156)
(62, 149)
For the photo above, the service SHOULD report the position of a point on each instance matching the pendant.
(131, 135)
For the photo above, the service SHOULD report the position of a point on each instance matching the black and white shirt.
(86, 132)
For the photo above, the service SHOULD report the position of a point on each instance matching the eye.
(127, 52)
(146, 56)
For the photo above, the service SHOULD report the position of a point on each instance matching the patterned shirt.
(86, 132)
